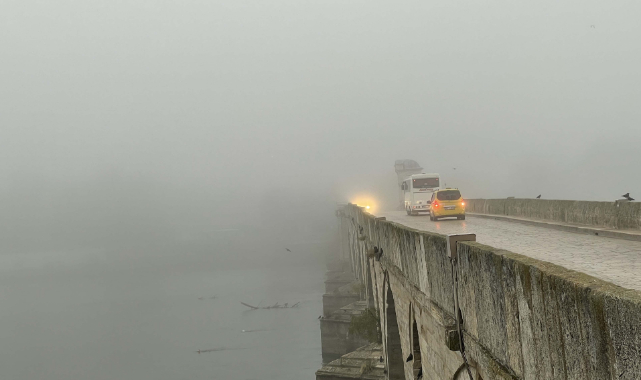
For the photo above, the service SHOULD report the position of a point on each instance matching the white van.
(418, 189)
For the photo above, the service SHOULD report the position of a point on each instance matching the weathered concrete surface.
(614, 260)
(351, 366)
(523, 318)
(599, 214)
(574, 228)
(335, 337)
(340, 297)
(335, 264)
(337, 279)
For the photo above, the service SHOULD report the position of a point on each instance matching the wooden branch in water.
(275, 306)
(219, 349)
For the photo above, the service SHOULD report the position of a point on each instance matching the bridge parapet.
(523, 318)
(598, 214)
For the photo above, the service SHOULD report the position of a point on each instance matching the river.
(143, 313)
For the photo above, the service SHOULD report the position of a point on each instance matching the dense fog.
(164, 164)
(140, 120)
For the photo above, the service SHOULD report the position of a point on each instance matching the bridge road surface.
(615, 260)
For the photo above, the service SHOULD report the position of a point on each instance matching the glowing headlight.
(365, 202)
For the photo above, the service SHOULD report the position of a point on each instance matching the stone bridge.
(521, 316)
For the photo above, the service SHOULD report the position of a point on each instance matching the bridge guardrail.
(588, 213)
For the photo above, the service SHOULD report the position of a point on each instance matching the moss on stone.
(358, 287)
(367, 326)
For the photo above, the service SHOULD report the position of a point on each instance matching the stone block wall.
(522, 318)
(339, 298)
(598, 214)
(336, 340)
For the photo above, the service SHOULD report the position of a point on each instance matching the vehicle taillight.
(435, 204)
(462, 203)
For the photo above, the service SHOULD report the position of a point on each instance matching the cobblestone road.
(614, 260)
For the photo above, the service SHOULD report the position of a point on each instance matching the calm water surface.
(136, 313)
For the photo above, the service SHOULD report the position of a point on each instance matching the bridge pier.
(340, 297)
(335, 337)
(362, 363)
(345, 297)
(337, 279)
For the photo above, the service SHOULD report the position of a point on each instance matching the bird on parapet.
(539, 196)
(626, 198)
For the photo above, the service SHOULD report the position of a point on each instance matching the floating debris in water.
(219, 349)
(256, 330)
(276, 306)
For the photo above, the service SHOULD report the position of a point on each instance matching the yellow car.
(447, 203)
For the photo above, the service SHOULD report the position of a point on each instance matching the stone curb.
(564, 227)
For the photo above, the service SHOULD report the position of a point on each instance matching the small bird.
(287, 249)
(409, 358)
(198, 351)
(380, 359)
(320, 316)
(539, 196)
(628, 197)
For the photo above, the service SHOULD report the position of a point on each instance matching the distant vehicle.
(447, 203)
(405, 168)
(417, 190)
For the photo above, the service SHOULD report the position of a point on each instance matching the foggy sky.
(229, 99)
